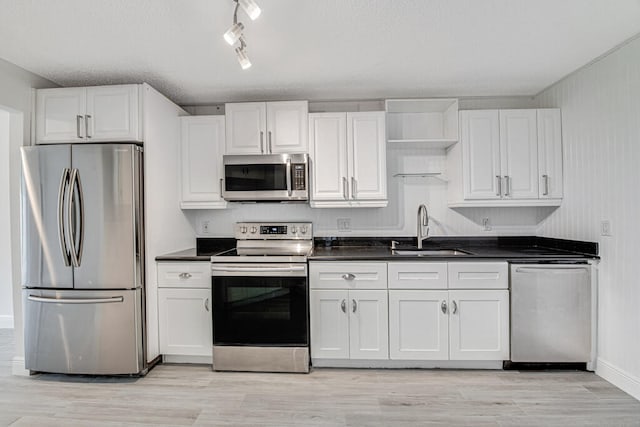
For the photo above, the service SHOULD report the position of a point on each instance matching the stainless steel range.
(260, 299)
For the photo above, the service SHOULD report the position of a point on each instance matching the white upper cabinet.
(201, 150)
(348, 159)
(550, 153)
(507, 158)
(267, 127)
(519, 154)
(480, 136)
(88, 114)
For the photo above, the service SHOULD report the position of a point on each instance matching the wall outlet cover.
(344, 224)
(605, 228)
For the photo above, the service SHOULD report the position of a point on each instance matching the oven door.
(260, 305)
(280, 177)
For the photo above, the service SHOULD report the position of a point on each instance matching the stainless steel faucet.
(423, 224)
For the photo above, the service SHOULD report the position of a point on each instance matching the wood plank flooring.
(181, 395)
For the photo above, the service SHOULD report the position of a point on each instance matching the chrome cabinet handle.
(507, 191)
(262, 142)
(86, 126)
(206, 304)
(499, 192)
(184, 275)
(269, 141)
(345, 191)
(221, 186)
(348, 276)
(78, 131)
(455, 307)
(343, 306)
(354, 305)
(546, 185)
(353, 188)
(64, 180)
(443, 306)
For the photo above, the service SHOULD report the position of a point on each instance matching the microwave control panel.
(299, 176)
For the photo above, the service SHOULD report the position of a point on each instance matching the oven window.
(260, 311)
(267, 177)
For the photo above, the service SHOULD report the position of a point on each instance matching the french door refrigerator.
(83, 259)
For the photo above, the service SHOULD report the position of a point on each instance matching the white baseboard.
(17, 367)
(619, 378)
(6, 321)
(406, 364)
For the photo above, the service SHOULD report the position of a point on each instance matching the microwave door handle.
(289, 177)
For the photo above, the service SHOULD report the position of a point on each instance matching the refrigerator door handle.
(64, 181)
(75, 300)
(76, 253)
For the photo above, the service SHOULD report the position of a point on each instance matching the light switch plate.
(605, 228)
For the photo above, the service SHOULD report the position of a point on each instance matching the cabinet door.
(245, 128)
(60, 115)
(366, 139)
(113, 113)
(519, 154)
(185, 321)
(288, 127)
(368, 324)
(329, 320)
(479, 325)
(550, 153)
(202, 146)
(418, 325)
(328, 146)
(480, 139)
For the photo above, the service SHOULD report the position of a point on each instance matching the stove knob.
(294, 230)
(254, 229)
(243, 229)
(303, 230)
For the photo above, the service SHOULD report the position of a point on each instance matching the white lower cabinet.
(479, 325)
(418, 326)
(349, 324)
(185, 321)
(184, 310)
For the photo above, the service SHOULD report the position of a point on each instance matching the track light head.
(233, 34)
(243, 59)
(251, 8)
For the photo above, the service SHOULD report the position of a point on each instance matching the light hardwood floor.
(194, 395)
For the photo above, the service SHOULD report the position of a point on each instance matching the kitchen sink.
(429, 252)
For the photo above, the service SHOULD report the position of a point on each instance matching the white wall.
(15, 97)
(6, 291)
(601, 134)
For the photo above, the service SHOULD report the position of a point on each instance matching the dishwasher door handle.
(550, 270)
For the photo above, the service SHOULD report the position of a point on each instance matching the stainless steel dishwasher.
(551, 313)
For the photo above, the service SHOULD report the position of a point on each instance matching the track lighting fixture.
(234, 34)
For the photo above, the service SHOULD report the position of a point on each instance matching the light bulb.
(251, 8)
(233, 34)
(243, 59)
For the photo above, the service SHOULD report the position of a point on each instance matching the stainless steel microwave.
(266, 177)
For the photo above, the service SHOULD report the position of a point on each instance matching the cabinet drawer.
(417, 275)
(193, 274)
(348, 275)
(478, 275)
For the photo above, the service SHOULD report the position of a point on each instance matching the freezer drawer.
(84, 332)
(550, 313)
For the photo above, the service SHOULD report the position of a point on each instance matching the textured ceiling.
(315, 49)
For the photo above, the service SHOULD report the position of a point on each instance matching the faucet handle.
(393, 244)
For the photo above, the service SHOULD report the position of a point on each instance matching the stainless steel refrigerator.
(83, 258)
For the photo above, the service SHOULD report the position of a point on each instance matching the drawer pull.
(184, 275)
(348, 276)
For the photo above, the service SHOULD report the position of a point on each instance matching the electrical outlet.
(605, 228)
(344, 224)
(205, 227)
(485, 224)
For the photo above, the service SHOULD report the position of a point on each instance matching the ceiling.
(315, 49)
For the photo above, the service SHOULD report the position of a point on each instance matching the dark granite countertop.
(521, 248)
(205, 248)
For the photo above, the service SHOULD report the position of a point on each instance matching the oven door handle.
(257, 269)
